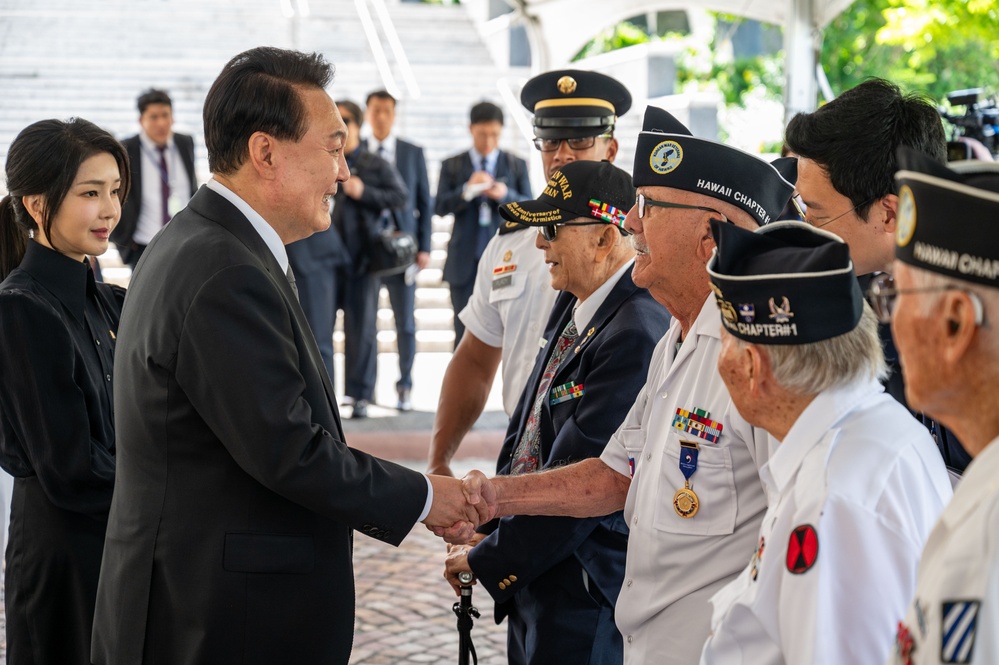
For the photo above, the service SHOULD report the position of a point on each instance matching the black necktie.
(291, 281)
(164, 184)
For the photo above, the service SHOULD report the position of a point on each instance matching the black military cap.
(572, 103)
(668, 156)
(787, 283)
(948, 218)
(598, 190)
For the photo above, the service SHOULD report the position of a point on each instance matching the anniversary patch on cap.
(669, 156)
(787, 283)
(948, 218)
(572, 103)
(596, 190)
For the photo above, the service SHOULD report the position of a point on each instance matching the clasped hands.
(461, 506)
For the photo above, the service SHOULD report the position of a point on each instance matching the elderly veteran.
(690, 528)
(946, 300)
(855, 482)
(575, 112)
(556, 579)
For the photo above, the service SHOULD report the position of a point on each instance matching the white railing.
(378, 51)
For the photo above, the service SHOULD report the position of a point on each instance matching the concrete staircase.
(62, 58)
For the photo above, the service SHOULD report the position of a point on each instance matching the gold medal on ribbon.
(685, 502)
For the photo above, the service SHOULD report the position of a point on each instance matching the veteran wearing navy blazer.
(476, 210)
(230, 533)
(556, 579)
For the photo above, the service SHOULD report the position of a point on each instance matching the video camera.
(980, 122)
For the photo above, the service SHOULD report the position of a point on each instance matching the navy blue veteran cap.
(948, 218)
(572, 103)
(668, 156)
(787, 283)
(595, 190)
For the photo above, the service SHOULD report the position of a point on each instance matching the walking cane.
(465, 611)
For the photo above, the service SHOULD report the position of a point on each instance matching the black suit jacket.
(610, 360)
(417, 215)
(229, 539)
(122, 234)
(462, 251)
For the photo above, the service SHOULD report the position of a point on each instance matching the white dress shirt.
(854, 489)
(150, 219)
(509, 307)
(954, 617)
(387, 146)
(676, 564)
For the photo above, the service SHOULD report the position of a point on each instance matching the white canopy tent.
(558, 29)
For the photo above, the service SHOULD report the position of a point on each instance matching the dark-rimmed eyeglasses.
(882, 296)
(812, 222)
(550, 231)
(581, 143)
(642, 202)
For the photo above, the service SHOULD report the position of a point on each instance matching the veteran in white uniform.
(575, 113)
(691, 525)
(855, 482)
(945, 298)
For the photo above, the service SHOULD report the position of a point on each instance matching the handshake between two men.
(461, 506)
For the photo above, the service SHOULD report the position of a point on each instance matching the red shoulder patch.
(802, 549)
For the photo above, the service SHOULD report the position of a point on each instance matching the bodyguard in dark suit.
(161, 163)
(229, 539)
(556, 579)
(472, 186)
(416, 218)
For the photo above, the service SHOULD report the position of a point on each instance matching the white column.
(800, 57)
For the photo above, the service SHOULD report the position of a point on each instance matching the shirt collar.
(585, 309)
(66, 278)
(491, 160)
(822, 415)
(259, 224)
(388, 144)
(707, 323)
(979, 482)
(151, 146)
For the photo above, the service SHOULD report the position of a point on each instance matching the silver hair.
(809, 369)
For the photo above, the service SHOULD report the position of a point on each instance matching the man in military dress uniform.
(574, 117)
(946, 297)
(855, 482)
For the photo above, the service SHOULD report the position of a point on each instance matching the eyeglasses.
(642, 201)
(582, 143)
(549, 231)
(882, 295)
(805, 217)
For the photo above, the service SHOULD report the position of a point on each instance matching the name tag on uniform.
(500, 282)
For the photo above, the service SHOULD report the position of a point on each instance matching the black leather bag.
(390, 252)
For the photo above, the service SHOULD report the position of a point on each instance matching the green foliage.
(622, 35)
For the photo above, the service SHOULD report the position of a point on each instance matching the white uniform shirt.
(954, 617)
(510, 305)
(854, 489)
(676, 564)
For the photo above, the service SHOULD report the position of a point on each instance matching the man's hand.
(460, 506)
(455, 563)
(498, 191)
(422, 260)
(477, 177)
(353, 187)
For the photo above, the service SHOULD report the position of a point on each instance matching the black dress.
(58, 327)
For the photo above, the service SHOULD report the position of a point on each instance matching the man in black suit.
(229, 539)
(162, 167)
(472, 186)
(415, 218)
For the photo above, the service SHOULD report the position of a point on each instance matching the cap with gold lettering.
(573, 103)
(669, 156)
(948, 218)
(787, 283)
(597, 191)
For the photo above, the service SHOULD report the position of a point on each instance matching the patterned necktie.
(527, 456)
(164, 184)
(291, 280)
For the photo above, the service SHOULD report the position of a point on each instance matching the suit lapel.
(210, 205)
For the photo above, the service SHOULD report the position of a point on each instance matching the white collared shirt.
(388, 147)
(150, 219)
(260, 225)
(854, 489)
(510, 304)
(676, 564)
(583, 312)
(954, 617)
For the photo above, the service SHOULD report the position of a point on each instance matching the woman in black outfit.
(57, 334)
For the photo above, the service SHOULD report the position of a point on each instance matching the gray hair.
(809, 369)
